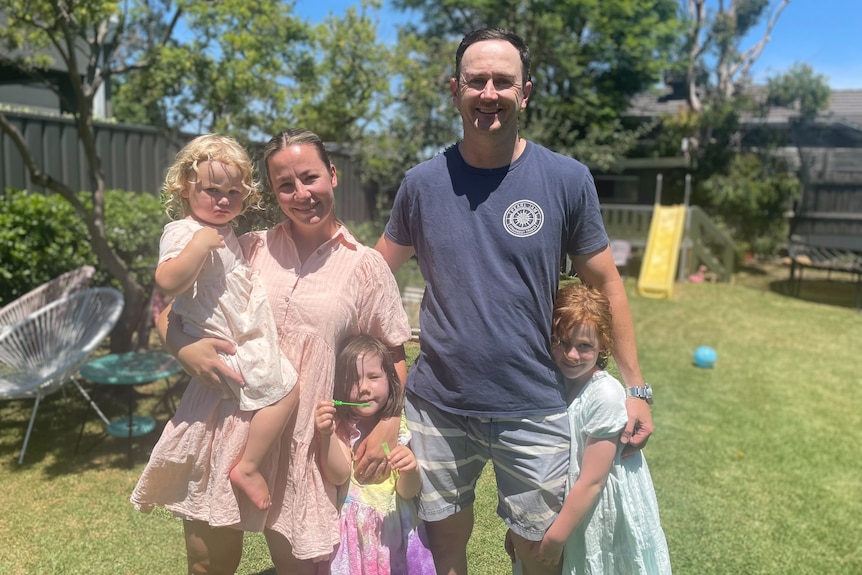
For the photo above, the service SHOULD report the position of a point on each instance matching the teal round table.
(130, 369)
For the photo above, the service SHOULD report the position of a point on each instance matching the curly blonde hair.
(184, 171)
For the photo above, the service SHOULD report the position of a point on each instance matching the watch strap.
(640, 392)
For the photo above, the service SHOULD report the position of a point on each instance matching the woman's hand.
(370, 464)
(198, 357)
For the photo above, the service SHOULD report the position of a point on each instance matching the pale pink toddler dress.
(228, 302)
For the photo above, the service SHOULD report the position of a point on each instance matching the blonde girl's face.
(372, 385)
(217, 196)
(303, 185)
(577, 354)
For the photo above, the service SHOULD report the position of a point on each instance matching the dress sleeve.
(605, 410)
(175, 237)
(404, 435)
(251, 244)
(381, 312)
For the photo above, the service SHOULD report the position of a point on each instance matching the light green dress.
(622, 535)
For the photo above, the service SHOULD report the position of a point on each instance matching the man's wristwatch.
(644, 393)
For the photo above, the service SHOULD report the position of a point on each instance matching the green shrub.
(750, 202)
(41, 236)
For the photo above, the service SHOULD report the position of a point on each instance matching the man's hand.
(639, 427)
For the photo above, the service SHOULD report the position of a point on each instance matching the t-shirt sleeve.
(381, 313)
(606, 410)
(398, 227)
(586, 228)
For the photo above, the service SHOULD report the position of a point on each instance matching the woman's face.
(303, 185)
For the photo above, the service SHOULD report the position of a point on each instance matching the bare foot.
(252, 483)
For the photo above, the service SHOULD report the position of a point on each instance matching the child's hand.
(509, 546)
(209, 238)
(324, 418)
(549, 552)
(402, 459)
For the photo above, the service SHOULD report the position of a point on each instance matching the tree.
(589, 58)
(251, 69)
(719, 33)
(738, 177)
(348, 83)
(247, 69)
(233, 70)
(84, 37)
(800, 88)
(806, 91)
(420, 120)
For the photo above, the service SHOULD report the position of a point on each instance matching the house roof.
(845, 107)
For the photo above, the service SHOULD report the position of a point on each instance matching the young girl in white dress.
(200, 263)
(609, 523)
(381, 533)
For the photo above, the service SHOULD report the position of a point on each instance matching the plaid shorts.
(530, 457)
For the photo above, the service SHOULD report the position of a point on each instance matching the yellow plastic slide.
(658, 269)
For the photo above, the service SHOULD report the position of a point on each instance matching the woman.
(324, 287)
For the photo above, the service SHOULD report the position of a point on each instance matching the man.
(488, 220)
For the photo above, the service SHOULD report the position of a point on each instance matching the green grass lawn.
(756, 462)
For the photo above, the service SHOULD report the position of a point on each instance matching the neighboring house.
(829, 151)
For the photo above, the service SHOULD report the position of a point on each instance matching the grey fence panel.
(352, 204)
(135, 158)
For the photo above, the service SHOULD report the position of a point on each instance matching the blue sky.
(826, 34)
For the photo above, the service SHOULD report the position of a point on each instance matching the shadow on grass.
(817, 286)
(834, 292)
(58, 422)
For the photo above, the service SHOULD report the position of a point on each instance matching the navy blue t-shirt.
(489, 244)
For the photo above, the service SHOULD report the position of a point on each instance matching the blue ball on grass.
(705, 357)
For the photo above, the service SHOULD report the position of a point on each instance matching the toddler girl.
(609, 523)
(217, 295)
(380, 531)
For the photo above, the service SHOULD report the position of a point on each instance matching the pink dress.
(341, 290)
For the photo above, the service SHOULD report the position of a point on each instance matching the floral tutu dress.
(381, 533)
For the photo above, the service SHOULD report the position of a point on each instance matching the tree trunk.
(122, 338)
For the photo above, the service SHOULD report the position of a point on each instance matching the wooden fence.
(703, 242)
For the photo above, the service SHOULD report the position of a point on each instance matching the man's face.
(489, 91)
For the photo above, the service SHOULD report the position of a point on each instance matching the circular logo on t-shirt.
(523, 218)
